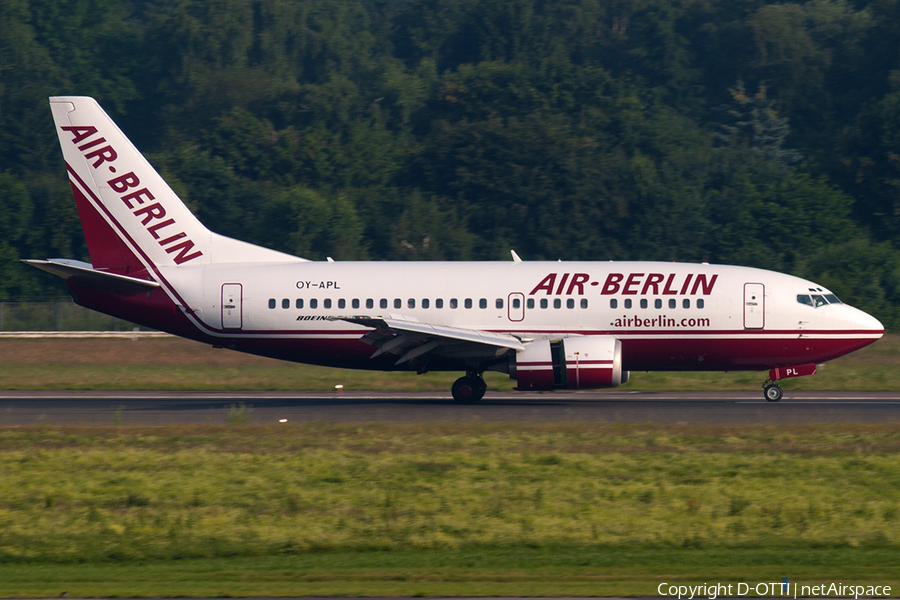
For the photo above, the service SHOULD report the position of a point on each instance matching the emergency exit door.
(231, 306)
(754, 306)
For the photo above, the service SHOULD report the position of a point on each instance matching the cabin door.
(232, 301)
(754, 306)
(516, 306)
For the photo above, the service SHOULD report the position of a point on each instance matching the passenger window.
(701, 303)
(342, 303)
(439, 303)
(468, 303)
(657, 303)
(529, 303)
(628, 303)
(313, 303)
(557, 303)
(672, 303)
(285, 303)
(398, 303)
(570, 303)
(299, 303)
(272, 303)
(643, 303)
(686, 303)
(543, 303)
(326, 303)
(383, 303)
(453, 303)
(613, 303)
(370, 303)
(499, 303)
(584, 303)
(355, 303)
(425, 303)
(516, 303)
(411, 303)
(482, 303)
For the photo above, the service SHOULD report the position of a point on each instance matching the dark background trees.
(752, 132)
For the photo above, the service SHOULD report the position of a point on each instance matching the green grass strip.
(581, 509)
(472, 572)
(175, 364)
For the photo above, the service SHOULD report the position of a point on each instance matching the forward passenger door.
(754, 306)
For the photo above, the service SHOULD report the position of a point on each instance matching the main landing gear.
(469, 389)
(772, 391)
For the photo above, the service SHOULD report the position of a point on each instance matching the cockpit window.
(804, 299)
(817, 300)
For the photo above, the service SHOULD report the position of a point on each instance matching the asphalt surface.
(173, 408)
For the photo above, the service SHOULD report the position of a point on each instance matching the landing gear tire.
(468, 389)
(772, 392)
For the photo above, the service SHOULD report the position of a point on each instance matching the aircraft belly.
(345, 353)
(734, 354)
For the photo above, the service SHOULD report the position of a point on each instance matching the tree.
(753, 121)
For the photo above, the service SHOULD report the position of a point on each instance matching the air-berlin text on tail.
(153, 214)
(629, 284)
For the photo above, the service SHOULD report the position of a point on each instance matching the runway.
(213, 408)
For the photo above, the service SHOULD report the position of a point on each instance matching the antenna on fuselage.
(515, 256)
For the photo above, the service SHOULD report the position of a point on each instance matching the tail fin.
(132, 219)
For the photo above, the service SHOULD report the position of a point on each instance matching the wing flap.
(412, 339)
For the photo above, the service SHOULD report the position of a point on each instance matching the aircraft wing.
(411, 339)
(77, 269)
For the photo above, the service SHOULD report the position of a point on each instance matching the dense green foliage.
(750, 132)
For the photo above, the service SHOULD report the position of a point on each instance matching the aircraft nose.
(864, 321)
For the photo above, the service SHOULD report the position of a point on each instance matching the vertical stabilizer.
(128, 212)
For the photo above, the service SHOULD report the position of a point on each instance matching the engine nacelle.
(574, 363)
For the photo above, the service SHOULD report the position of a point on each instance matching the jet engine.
(573, 363)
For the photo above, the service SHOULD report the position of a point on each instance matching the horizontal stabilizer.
(86, 273)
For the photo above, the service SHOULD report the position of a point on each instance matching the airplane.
(549, 325)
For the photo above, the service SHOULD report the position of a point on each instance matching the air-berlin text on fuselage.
(629, 284)
(152, 215)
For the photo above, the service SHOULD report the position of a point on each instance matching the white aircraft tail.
(132, 219)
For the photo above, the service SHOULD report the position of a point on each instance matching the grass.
(473, 572)
(177, 364)
(400, 509)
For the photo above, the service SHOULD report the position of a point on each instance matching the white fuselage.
(708, 311)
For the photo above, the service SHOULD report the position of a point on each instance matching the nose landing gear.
(772, 391)
(469, 389)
